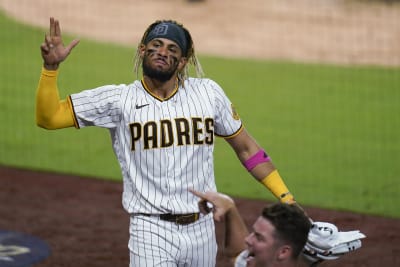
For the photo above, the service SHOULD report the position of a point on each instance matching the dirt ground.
(83, 220)
(85, 225)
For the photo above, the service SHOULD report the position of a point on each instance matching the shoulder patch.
(235, 115)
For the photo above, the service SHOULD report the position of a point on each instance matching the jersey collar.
(157, 97)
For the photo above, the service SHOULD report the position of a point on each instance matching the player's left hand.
(220, 203)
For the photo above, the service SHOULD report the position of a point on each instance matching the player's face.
(262, 246)
(162, 59)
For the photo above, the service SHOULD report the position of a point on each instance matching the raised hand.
(52, 49)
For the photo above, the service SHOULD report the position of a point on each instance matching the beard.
(157, 74)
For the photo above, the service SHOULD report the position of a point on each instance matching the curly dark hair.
(190, 53)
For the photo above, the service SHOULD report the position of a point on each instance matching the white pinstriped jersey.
(163, 146)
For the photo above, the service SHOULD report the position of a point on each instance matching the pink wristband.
(256, 159)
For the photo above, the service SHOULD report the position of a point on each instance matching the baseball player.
(163, 129)
(277, 238)
(283, 235)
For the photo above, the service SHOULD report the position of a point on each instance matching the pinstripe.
(160, 243)
(156, 178)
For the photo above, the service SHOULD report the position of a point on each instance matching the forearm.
(266, 173)
(259, 164)
(235, 233)
(51, 112)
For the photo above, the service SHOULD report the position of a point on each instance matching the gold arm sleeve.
(278, 188)
(51, 112)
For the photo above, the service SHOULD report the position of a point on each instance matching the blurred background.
(317, 83)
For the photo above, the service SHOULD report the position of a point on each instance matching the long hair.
(190, 55)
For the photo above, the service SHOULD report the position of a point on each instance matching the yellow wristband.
(278, 188)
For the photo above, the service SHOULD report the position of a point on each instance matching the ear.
(182, 63)
(284, 252)
(142, 50)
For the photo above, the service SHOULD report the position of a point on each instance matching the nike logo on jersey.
(141, 106)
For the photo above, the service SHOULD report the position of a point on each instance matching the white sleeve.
(98, 107)
(227, 120)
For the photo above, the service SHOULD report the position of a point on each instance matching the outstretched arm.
(224, 209)
(51, 112)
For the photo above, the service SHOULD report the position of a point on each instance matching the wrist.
(232, 211)
(50, 66)
(275, 184)
(229, 202)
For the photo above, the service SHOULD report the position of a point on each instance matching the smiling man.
(277, 237)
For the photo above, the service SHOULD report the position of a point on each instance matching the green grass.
(332, 131)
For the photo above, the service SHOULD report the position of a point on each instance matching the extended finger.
(52, 27)
(197, 193)
(71, 45)
(57, 29)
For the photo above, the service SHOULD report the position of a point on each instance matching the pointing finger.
(198, 194)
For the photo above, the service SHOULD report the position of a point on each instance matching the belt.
(182, 219)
